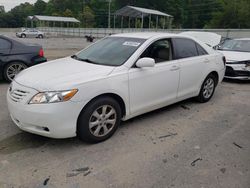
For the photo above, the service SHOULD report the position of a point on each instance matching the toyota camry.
(117, 78)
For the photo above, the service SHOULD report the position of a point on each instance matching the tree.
(40, 7)
(88, 17)
(68, 13)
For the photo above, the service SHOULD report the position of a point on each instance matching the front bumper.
(57, 120)
(237, 71)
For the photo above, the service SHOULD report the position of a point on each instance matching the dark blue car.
(16, 56)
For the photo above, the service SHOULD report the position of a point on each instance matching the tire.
(40, 36)
(99, 120)
(23, 36)
(207, 89)
(12, 69)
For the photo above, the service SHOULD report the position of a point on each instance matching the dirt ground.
(186, 145)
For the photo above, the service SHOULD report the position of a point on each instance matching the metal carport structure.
(138, 12)
(43, 20)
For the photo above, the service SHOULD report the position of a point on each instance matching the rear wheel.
(99, 120)
(40, 36)
(12, 69)
(207, 89)
(23, 36)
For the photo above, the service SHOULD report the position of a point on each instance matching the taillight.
(224, 60)
(41, 52)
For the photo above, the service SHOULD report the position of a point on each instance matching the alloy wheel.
(102, 120)
(208, 88)
(14, 69)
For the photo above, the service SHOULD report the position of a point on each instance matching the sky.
(9, 4)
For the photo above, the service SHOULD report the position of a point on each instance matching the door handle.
(174, 68)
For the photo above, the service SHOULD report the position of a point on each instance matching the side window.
(160, 51)
(185, 48)
(200, 50)
(4, 44)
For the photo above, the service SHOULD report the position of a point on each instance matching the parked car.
(16, 56)
(31, 33)
(237, 53)
(117, 78)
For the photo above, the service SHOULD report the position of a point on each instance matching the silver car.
(31, 33)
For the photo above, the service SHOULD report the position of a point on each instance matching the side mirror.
(145, 62)
(216, 47)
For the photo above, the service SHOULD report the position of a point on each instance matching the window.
(201, 51)
(160, 51)
(4, 44)
(185, 48)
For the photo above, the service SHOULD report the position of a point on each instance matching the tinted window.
(4, 44)
(160, 51)
(201, 51)
(185, 48)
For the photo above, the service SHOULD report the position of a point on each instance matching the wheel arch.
(116, 97)
(215, 73)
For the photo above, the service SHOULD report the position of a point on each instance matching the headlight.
(53, 96)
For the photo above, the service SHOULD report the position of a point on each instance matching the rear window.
(4, 44)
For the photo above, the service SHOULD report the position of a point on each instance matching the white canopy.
(54, 19)
(131, 11)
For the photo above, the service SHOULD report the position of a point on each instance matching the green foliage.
(94, 13)
(234, 14)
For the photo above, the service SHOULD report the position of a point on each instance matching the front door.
(154, 87)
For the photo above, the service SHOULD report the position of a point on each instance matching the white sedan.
(237, 53)
(117, 78)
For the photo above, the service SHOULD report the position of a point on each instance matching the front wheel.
(99, 120)
(40, 36)
(207, 89)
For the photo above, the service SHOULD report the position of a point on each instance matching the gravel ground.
(186, 145)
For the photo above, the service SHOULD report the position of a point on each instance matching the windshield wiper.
(85, 60)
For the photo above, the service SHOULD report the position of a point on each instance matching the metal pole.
(157, 22)
(122, 22)
(142, 21)
(149, 24)
(129, 22)
(164, 22)
(109, 14)
(114, 21)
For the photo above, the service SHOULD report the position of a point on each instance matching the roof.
(132, 11)
(54, 18)
(145, 35)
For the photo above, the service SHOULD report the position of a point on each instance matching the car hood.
(211, 39)
(60, 74)
(233, 56)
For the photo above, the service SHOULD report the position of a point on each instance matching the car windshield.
(235, 45)
(111, 51)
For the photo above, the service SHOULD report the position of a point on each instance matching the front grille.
(234, 73)
(17, 95)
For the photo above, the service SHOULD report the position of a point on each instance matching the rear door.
(193, 61)
(5, 47)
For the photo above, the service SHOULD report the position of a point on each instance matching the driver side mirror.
(216, 47)
(145, 62)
